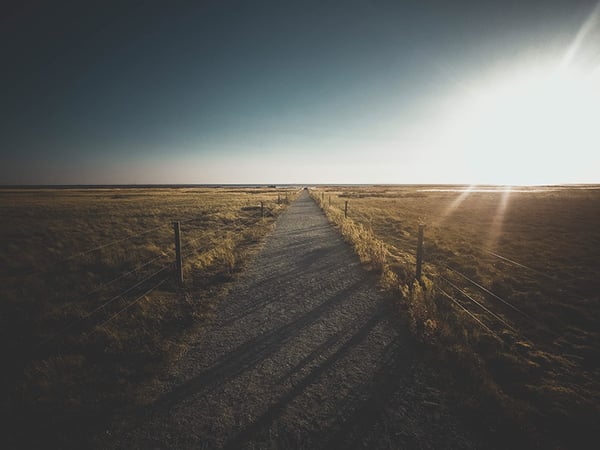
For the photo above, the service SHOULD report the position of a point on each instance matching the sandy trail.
(304, 353)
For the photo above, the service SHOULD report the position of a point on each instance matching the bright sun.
(534, 128)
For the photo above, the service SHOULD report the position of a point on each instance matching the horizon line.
(272, 185)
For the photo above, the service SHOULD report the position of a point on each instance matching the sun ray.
(581, 36)
(498, 220)
(456, 203)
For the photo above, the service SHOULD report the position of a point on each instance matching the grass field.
(91, 309)
(510, 294)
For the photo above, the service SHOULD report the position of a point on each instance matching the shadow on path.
(247, 355)
(304, 353)
(264, 421)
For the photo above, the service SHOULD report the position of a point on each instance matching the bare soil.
(305, 352)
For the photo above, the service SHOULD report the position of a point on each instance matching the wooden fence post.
(178, 259)
(262, 209)
(420, 252)
(330, 200)
(346, 209)
(278, 198)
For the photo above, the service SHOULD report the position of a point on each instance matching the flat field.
(91, 308)
(513, 282)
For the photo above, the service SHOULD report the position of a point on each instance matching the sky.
(277, 92)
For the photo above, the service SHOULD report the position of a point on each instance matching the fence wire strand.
(457, 303)
(487, 291)
(559, 283)
(126, 291)
(102, 306)
(128, 306)
(123, 275)
(110, 244)
(496, 316)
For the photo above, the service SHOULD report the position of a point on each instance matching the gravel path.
(304, 353)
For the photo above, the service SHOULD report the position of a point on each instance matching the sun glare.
(532, 126)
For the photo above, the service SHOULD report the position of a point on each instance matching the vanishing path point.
(305, 352)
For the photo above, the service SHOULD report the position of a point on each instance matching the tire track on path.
(305, 352)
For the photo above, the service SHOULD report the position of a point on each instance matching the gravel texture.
(305, 352)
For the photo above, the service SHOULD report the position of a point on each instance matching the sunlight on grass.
(496, 225)
(456, 203)
(532, 338)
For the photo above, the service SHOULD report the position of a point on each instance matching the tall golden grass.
(72, 362)
(539, 366)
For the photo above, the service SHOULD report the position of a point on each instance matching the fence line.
(126, 291)
(189, 245)
(457, 303)
(100, 247)
(559, 283)
(123, 275)
(108, 283)
(94, 249)
(96, 327)
(419, 262)
(465, 294)
(487, 291)
(401, 246)
(518, 264)
(104, 305)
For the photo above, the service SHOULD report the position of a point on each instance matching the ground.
(305, 352)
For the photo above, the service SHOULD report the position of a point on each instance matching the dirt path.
(304, 353)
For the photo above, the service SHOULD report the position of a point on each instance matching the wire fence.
(527, 320)
(491, 311)
(110, 298)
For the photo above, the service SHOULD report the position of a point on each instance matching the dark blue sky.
(265, 92)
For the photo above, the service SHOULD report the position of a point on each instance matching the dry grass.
(540, 365)
(71, 362)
